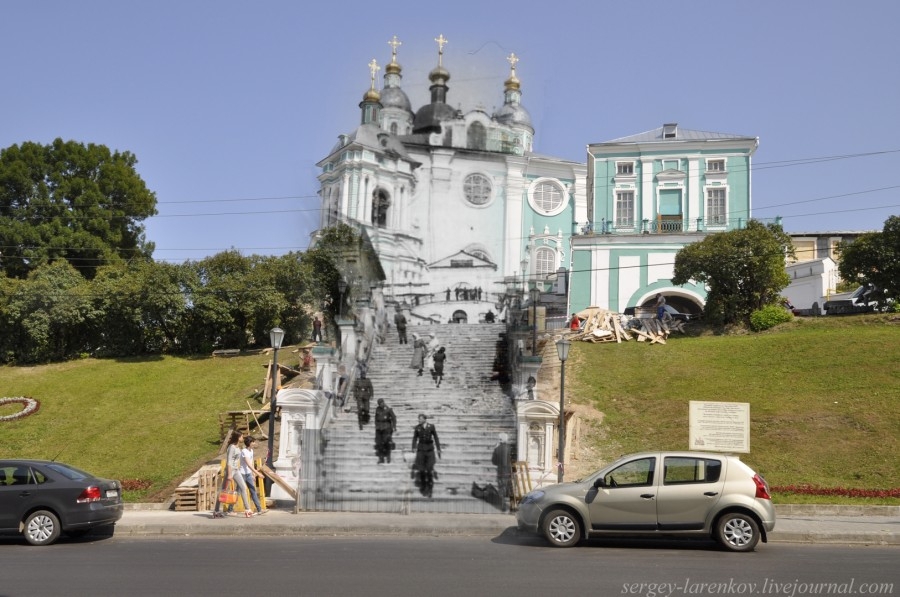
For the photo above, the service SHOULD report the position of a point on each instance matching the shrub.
(769, 316)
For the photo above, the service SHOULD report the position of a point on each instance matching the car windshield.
(599, 470)
(67, 471)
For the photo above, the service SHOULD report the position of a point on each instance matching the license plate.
(112, 493)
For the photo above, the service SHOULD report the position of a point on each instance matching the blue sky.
(228, 105)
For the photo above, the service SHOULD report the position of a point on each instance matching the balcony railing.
(668, 225)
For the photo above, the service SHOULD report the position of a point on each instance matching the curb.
(780, 510)
(871, 525)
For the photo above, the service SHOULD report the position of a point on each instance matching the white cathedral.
(462, 213)
(456, 204)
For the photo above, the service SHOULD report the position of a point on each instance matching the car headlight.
(532, 497)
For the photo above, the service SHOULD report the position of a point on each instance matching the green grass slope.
(150, 420)
(823, 394)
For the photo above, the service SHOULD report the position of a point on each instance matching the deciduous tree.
(67, 200)
(874, 258)
(742, 269)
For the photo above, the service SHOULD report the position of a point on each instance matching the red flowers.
(851, 492)
(29, 407)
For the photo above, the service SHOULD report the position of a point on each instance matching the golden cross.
(374, 68)
(394, 43)
(513, 60)
(441, 42)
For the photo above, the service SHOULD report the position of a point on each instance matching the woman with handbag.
(232, 478)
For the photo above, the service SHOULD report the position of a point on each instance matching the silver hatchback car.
(656, 494)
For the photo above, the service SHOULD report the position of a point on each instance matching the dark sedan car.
(43, 499)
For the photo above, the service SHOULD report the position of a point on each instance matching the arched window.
(393, 128)
(380, 204)
(476, 136)
(544, 261)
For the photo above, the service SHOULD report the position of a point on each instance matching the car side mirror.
(599, 483)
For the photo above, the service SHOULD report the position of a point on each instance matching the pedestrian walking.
(385, 426)
(232, 474)
(249, 472)
(438, 369)
(317, 329)
(363, 392)
(503, 461)
(425, 444)
(418, 358)
(400, 322)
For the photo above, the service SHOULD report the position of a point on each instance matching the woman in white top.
(232, 466)
(249, 472)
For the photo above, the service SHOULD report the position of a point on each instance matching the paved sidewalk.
(795, 524)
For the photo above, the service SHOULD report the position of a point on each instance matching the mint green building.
(649, 195)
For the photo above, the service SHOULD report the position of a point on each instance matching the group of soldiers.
(425, 442)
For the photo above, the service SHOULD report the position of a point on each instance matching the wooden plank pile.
(521, 483)
(198, 492)
(242, 420)
(600, 325)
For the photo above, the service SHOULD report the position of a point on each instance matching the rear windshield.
(67, 471)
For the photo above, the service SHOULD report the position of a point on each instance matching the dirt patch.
(588, 447)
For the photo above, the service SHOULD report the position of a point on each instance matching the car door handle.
(710, 493)
(647, 496)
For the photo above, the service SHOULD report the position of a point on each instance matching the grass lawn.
(824, 397)
(824, 400)
(144, 419)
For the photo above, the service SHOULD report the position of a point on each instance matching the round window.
(477, 188)
(547, 197)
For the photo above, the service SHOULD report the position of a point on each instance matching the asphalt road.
(502, 566)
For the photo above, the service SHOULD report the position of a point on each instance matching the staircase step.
(469, 410)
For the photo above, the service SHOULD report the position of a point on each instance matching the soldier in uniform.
(425, 443)
(363, 392)
(503, 461)
(385, 426)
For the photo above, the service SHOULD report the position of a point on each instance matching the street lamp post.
(276, 335)
(342, 286)
(535, 297)
(562, 349)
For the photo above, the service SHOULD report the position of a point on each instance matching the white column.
(648, 197)
(549, 445)
(694, 192)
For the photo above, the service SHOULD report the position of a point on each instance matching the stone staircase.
(468, 410)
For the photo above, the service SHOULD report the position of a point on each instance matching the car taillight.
(762, 488)
(91, 494)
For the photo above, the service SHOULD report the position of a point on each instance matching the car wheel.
(42, 528)
(737, 532)
(562, 529)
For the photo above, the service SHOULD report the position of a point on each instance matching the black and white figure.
(400, 323)
(363, 393)
(425, 444)
(419, 348)
(385, 426)
(498, 496)
(502, 459)
(437, 371)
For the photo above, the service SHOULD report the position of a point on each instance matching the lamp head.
(276, 335)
